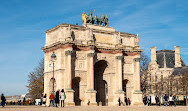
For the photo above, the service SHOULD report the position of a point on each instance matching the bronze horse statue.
(103, 20)
(89, 18)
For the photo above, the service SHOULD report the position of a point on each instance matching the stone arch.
(76, 88)
(124, 84)
(99, 82)
(51, 85)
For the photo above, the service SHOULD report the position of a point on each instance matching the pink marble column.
(137, 72)
(69, 70)
(119, 58)
(91, 71)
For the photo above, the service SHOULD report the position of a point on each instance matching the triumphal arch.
(95, 65)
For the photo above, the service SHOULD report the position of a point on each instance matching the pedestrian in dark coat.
(119, 100)
(166, 100)
(57, 98)
(129, 101)
(157, 100)
(126, 101)
(3, 100)
(24, 101)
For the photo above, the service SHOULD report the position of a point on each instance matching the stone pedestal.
(118, 94)
(137, 98)
(69, 101)
(91, 97)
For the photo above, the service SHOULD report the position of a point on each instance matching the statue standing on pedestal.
(84, 17)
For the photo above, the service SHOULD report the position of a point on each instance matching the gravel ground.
(95, 108)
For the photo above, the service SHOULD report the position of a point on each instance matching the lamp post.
(53, 57)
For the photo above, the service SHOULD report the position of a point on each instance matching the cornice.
(82, 27)
(62, 45)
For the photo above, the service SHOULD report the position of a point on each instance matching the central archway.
(100, 85)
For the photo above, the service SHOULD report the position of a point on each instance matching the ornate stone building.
(164, 70)
(94, 64)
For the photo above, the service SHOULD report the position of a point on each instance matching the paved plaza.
(95, 108)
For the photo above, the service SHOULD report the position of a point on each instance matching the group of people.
(168, 101)
(147, 100)
(171, 100)
(56, 99)
(127, 101)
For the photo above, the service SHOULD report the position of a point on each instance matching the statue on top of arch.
(103, 20)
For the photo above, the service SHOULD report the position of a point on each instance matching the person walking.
(170, 100)
(149, 101)
(57, 99)
(24, 101)
(166, 100)
(119, 101)
(157, 100)
(62, 97)
(145, 100)
(175, 99)
(126, 101)
(129, 101)
(44, 100)
(51, 99)
(3, 100)
(184, 101)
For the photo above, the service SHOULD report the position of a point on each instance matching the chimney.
(153, 54)
(177, 56)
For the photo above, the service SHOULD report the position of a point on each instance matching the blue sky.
(160, 23)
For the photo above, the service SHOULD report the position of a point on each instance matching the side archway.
(76, 88)
(51, 85)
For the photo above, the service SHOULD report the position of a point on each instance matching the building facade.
(164, 70)
(95, 65)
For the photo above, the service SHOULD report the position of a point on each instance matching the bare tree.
(36, 81)
(144, 61)
(184, 84)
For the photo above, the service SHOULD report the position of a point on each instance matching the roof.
(169, 57)
(180, 71)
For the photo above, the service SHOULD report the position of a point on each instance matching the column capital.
(68, 52)
(90, 54)
(137, 59)
(119, 57)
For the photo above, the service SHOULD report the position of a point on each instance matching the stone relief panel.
(128, 68)
(81, 56)
(104, 38)
(80, 65)
(128, 60)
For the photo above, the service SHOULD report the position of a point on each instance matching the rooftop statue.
(89, 18)
(100, 20)
(103, 20)
(84, 17)
(95, 18)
